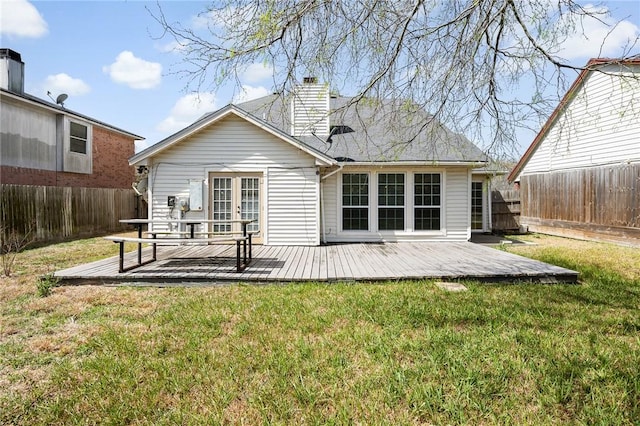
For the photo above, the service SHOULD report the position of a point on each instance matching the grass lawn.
(383, 353)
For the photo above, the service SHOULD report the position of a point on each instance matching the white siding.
(330, 207)
(292, 211)
(601, 125)
(234, 145)
(458, 204)
(456, 207)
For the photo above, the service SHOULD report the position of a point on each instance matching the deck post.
(121, 264)
(154, 250)
(238, 255)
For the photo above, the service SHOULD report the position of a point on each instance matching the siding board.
(600, 126)
(292, 218)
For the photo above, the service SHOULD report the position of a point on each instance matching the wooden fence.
(602, 200)
(505, 210)
(52, 213)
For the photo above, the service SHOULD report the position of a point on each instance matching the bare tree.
(460, 60)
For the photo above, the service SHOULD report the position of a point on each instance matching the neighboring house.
(581, 175)
(310, 168)
(43, 143)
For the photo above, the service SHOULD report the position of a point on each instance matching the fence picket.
(60, 213)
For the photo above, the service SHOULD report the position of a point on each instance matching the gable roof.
(592, 65)
(49, 106)
(383, 132)
(218, 115)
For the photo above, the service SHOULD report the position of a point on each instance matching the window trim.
(482, 206)
(439, 206)
(72, 161)
(86, 140)
(404, 206)
(373, 233)
(342, 205)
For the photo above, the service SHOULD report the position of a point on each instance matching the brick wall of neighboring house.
(21, 176)
(111, 168)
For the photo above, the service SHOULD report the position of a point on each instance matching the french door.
(477, 206)
(236, 196)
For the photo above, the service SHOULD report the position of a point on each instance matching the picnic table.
(189, 237)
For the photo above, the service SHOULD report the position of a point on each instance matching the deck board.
(344, 262)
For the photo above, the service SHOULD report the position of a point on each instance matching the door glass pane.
(222, 207)
(476, 205)
(250, 202)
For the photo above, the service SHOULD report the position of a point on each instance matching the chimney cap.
(11, 54)
(310, 80)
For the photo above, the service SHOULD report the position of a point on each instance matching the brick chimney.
(11, 71)
(310, 109)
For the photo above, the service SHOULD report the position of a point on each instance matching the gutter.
(418, 163)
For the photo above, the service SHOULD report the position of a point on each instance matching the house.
(581, 175)
(314, 168)
(44, 143)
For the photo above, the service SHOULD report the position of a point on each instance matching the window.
(355, 202)
(390, 201)
(476, 205)
(78, 138)
(427, 191)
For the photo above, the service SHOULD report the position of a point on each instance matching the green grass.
(383, 353)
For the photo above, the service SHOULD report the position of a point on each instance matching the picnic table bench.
(241, 240)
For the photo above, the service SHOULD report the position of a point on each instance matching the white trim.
(267, 195)
(434, 164)
(339, 205)
(72, 161)
(319, 216)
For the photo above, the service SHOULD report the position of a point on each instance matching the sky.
(111, 59)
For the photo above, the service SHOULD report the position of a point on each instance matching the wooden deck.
(339, 262)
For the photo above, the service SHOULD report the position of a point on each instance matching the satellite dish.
(61, 98)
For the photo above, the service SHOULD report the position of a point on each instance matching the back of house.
(312, 168)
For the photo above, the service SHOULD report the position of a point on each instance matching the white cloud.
(249, 93)
(187, 110)
(599, 37)
(257, 72)
(64, 83)
(134, 72)
(20, 18)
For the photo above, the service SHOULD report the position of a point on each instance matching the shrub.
(45, 283)
(11, 244)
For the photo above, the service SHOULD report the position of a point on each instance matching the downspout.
(324, 238)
